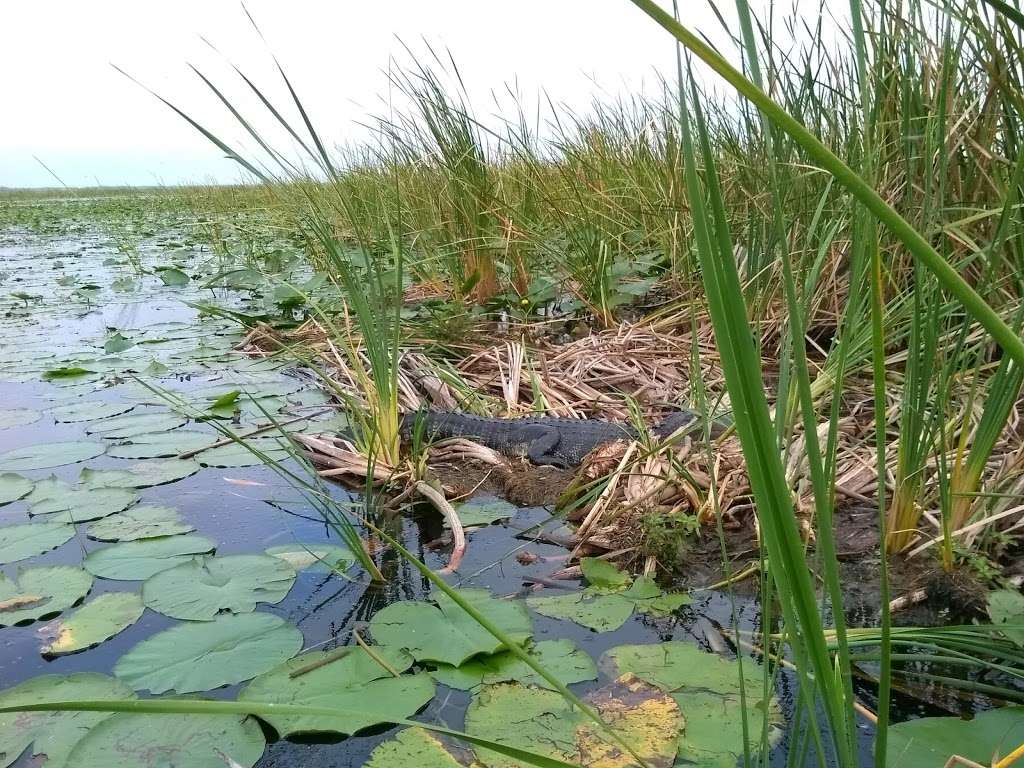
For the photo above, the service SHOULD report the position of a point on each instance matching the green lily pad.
(602, 575)
(66, 372)
(545, 723)
(199, 590)
(27, 540)
(53, 735)
(91, 410)
(355, 681)
(13, 487)
(235, 455)
(82, 505)
(17, 417)
(143, 522)
(162, 444)
(446, 634)
(931, 741)
(560, 657)
(601, 613)
(98, 620)
(128, 740)
(707, 689)
(419, 747)
(477, 513)
(137, 560)
(145, 474)
(200, 656)
(132, 425)
(323, 558)
(173, 277)
(39, 593)
(1006, 606)
(46, 455)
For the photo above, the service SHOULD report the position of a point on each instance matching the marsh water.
(70, 285)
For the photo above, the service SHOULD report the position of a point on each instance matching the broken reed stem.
(373, 654)
(440, 503)
(323, 661)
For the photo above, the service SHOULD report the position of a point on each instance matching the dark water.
(262, 510)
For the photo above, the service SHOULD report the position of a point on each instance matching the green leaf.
(52, 735)
(356, 681)
(323, 558)
(446, 634)
(69, 372)
(137, 560)
(162, 444)
(200, 656)
(197, 741)
(420, 748)
(124, 427)
(173, 276)
(236, 455)
(1006, 606)
(17, 417)
(39, 593)
(117, 343)
(18, 542)
(707, 689)
(145, 474)
(90, 410)
(13, 487)
(82, 505)
(200, 589)
(227, 399)
(601, 613)
(560, 657)
(602, 575)
(931, 741)
(476, 513)
(543, 721)
(47, 455)
(144, 522)
(98, 620)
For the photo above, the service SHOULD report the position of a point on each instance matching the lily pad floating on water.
(17, 417)
(545, 723)
(419, 747)
(200, 656)
(162, 444)
(13, 487)
(173, 277)
(196, 741)
(18, 542)
(91, 410)
(82, 505)
(931, 741)
(137, 560)
(96, 621)
(560, 657)
(39, 593)
(54, 734)
(235, 455)
(325, 558)
(47, 455)
(66, 372)
(144, 522)
(477, 513)
(145, 474)
(134, 424)
(1006, 607)
(707, 689)
(446, 634)
(199, 590)
(356, 682)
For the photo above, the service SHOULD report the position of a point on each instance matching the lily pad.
(446, 634)
(17, 417)
(931, 741)
(235, 455)
(145, 474)
(356, 682)
(200, 656)
(91, 410)
(324, 558)
(560, 657)
(41, 592)
(477, 513)
(144, 522)
(199, 590)
(128, 740)
(96, 621)
(13, 487)
(602, 575)
(419, 747)
(82, 505)
(601, 613)
(27, 540)
(707, 689)
(543, 722)
(162, 444)
(132, 425)
(1006, 607)
(53, 735)
(46, 455)
(137, 560)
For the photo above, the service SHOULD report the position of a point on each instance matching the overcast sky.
(66, 105)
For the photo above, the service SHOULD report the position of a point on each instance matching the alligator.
(555, 441)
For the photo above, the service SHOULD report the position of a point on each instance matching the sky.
(65, 106)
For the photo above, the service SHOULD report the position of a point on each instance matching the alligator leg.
(542, 446)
